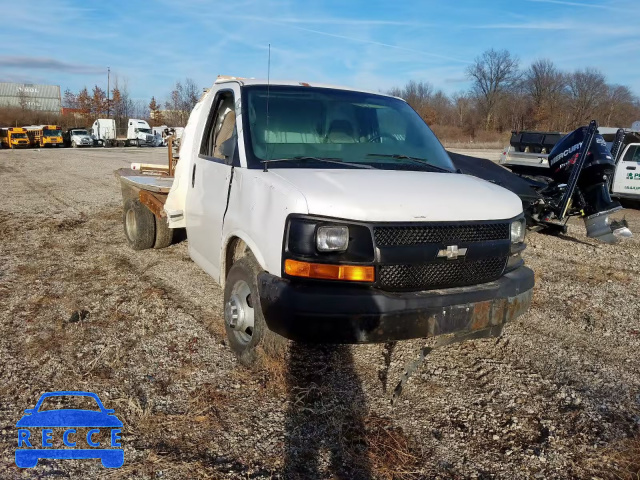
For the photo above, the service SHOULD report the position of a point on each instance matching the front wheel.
(244, 322)
(74, 145)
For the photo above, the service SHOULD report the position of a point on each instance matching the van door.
(627, 177)
(210, 183)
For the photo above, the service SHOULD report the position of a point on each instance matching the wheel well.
(236, 249)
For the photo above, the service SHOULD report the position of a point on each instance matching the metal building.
(29, 96)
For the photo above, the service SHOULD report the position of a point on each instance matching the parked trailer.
(13, 137)
(528, 154)
(45, 136)
(317, 236)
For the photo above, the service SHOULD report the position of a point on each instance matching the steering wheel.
(380, 136)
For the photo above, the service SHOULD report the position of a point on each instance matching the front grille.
(419, 234)
(440, 274)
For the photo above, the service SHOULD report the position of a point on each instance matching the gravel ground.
(557, 396)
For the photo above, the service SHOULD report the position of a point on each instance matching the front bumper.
(334, 313)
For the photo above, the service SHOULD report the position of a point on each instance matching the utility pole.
(108, 87)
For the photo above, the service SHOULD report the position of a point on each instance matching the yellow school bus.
(45, 135)
(13, 137)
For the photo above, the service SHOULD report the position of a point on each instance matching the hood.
(400, 196)
(81, 137)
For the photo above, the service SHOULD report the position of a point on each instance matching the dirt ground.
(557, 396)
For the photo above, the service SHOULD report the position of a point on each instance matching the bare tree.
(493, 73)
(545, 86)
(24, 99)
(181, 101)
(621, 110)
(70, 99)
(419, 95)
(463, 107)
(587, 90)
(543, 81)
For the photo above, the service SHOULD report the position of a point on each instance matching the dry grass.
(390, 450)
(462, 145)
(622, 460)
(456, 137)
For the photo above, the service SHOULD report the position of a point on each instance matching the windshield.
(19, 135)
(79, 132)
(52, 133)
(143, 130)
(354, 127)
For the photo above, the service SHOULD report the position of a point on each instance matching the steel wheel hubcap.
(239, 313)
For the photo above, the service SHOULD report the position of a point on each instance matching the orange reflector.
(353, 273)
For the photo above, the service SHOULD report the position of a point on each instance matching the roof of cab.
(293, 83)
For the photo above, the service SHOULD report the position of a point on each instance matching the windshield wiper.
(339, 161)
(397, 156)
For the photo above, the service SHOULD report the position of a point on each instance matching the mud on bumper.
(327, 313)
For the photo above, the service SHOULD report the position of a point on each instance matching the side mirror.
(228, 149)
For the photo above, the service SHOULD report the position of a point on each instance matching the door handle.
(193, 176)
(631, 168)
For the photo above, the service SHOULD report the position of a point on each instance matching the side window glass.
(632, 155)
(220, 126)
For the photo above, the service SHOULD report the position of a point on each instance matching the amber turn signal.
(322, 271)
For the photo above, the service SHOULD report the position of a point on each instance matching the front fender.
(253, 246)
(259, 204)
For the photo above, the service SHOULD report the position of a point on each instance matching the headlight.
(517, 231)
(332, 239)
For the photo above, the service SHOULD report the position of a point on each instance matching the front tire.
(139, 225)
(247, 331)
(74, 145)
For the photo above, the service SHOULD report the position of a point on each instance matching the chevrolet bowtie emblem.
(452, 252)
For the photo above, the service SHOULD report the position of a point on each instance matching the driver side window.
(220, 126)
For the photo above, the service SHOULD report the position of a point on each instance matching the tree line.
(89, 105)
(504, 97)
(83, 107)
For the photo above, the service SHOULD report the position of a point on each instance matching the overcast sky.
(369, 44)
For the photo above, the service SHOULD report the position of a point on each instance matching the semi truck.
(138, 133)
(331, 215)
(77, 137)
(45, 136)
(13, 137)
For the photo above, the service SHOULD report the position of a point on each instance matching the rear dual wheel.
(143, 229)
